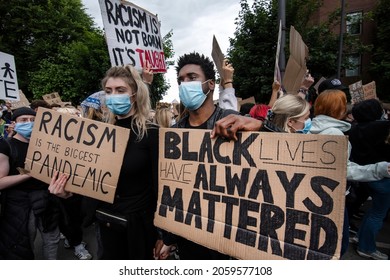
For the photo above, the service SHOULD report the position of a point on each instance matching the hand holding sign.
(227, 74)
(57, 185)
(147, 73)
(228, 126)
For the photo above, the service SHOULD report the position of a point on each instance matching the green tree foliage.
(75, 72)
(36, 30)
(160, 86)
(380, 67)
(58, 49)
(253, 49)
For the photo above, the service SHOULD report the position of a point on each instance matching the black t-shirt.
(16, 159)
(138, 178)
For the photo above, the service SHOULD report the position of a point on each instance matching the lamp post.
(342, 26)
(282, 18)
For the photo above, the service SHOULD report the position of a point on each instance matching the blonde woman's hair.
(142, 101)
(163, 117)
(289, 106)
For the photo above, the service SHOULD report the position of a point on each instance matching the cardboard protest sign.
(133, 35)
(217, 56)
(90, 152)
(54, 98)
(23, 101)
(9, 89)
(369, 91)
(296, 64)
(356, 92)
(265, 196)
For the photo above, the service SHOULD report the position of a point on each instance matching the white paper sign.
(133, 35)
(9, 89)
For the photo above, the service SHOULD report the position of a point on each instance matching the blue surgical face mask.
(118, 104)
(24, 129)
(191, 94)
(306, 128)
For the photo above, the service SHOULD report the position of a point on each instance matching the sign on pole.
(265, 196)
(133, 35)
(90, 152)
(9, 89)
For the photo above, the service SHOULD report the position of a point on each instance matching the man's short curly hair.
(195, 58)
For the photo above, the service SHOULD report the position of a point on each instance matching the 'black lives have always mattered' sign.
(133, 35)
(265, 196)
(90, 152)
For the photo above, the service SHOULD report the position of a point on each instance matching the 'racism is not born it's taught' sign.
(265, 196)
(133, 35)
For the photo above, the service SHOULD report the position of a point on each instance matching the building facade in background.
(357, 23)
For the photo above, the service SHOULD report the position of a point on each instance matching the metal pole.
(282, 55)
(342, 26)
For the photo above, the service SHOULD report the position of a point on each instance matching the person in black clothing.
(196, 78)
(27, 205)
(369, 141)
(126, 229)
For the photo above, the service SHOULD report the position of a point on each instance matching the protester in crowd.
(330, 109)
(27, 206)
(126, 229)
(72, 215)
(196, 78)
(290, 113)
(246, 108)
(259, 111)
(368, 139)
(332, 83)
(35, 104)
(227, 98)
(7, 112)
(55, 106)
(164, 117)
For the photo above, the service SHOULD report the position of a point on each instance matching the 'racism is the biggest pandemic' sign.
(133, 35)
(265, 196)
(90, 152)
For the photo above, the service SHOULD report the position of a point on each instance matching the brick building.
(356, 24)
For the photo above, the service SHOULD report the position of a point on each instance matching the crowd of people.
(124, 229)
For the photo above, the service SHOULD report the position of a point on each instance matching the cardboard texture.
(9, 89)
(296, 64)
(356, 92)
(133, 35)
(266, 196)
(54, 98)
(217, 56)
(90, 152)
(23, 101)
(248, 100)
(369, 91)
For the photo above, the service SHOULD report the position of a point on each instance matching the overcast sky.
(194, 22)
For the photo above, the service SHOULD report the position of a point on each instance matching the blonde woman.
(290, 113)
(163, 117)
(125, 228)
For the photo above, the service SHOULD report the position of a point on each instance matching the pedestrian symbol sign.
(9, 89)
